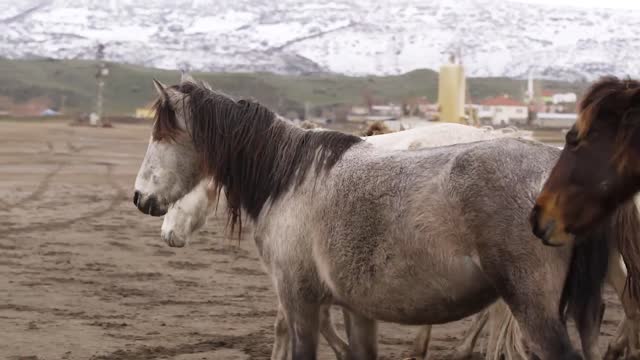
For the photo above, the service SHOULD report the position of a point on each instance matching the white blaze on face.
(187, 215)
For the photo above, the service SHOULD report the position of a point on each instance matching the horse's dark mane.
(609, 96)
(626, 224)
(582, 293)
(250, 153)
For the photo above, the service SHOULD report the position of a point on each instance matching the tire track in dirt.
(256, 344)
(115, 200)
(42, 187)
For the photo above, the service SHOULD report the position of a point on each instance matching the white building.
(567, 98)
(555, 120)
(502, 111)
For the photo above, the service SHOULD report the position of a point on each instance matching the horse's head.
(598, 168)
(188, 214)
(170, 167)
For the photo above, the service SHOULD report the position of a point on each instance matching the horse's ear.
(186, 77)
(168, 94)
(206, 85)
(162, 90)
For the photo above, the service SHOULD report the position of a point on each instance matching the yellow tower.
(451, 93)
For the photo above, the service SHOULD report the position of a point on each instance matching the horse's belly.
(433, 295)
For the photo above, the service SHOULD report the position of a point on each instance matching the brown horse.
(598, 171)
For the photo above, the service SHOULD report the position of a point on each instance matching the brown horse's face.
(587, 184)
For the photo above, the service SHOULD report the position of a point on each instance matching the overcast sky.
(617, 4)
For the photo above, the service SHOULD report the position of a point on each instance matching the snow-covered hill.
(495, 37)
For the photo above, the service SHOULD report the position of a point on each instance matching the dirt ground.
(85, 275)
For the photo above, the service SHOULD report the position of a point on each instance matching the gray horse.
(338, 221)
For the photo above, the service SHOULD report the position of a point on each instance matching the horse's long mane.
(626, 234)
(247, 150)
(615, 101)
(607, 94)
(582, 292)
(590, 260)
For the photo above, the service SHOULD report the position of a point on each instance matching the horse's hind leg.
(281, 342)
(363, 338)
(465, 349)
(421, 342)
(628, 331)
(619, 343)
(328, 331)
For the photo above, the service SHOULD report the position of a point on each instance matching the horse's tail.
(505, 337)
(582, 293)
(626, 232)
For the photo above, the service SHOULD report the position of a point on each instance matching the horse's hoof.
(612, 354)
(461, 355)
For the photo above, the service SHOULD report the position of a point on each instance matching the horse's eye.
(572, 139)
(604, 186)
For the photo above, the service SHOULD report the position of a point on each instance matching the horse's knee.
(280, 326)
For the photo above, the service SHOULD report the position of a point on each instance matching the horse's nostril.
(136, 197)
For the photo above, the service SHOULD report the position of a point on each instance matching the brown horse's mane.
(615, 101)
(582, 293)
(245, 148)
(626, 230)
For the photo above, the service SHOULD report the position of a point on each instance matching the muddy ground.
(85, 275)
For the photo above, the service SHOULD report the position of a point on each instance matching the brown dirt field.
(85, 275)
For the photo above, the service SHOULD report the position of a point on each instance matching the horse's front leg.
(363, 337)
(303, 323)
(300, 302)
(589, 329)
(281, 341)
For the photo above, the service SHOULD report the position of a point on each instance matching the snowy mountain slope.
(496, 38)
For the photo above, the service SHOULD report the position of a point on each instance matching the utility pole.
(101, 76)
(307, 108)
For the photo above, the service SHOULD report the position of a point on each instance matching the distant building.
(378, 112)
(359, 110)
(145, 113)
(566, 98)
(502, 111)
(555, 120)
(386, 110)
(551, 102)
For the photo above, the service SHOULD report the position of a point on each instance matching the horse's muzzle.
(148, 204)
(543, 232)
